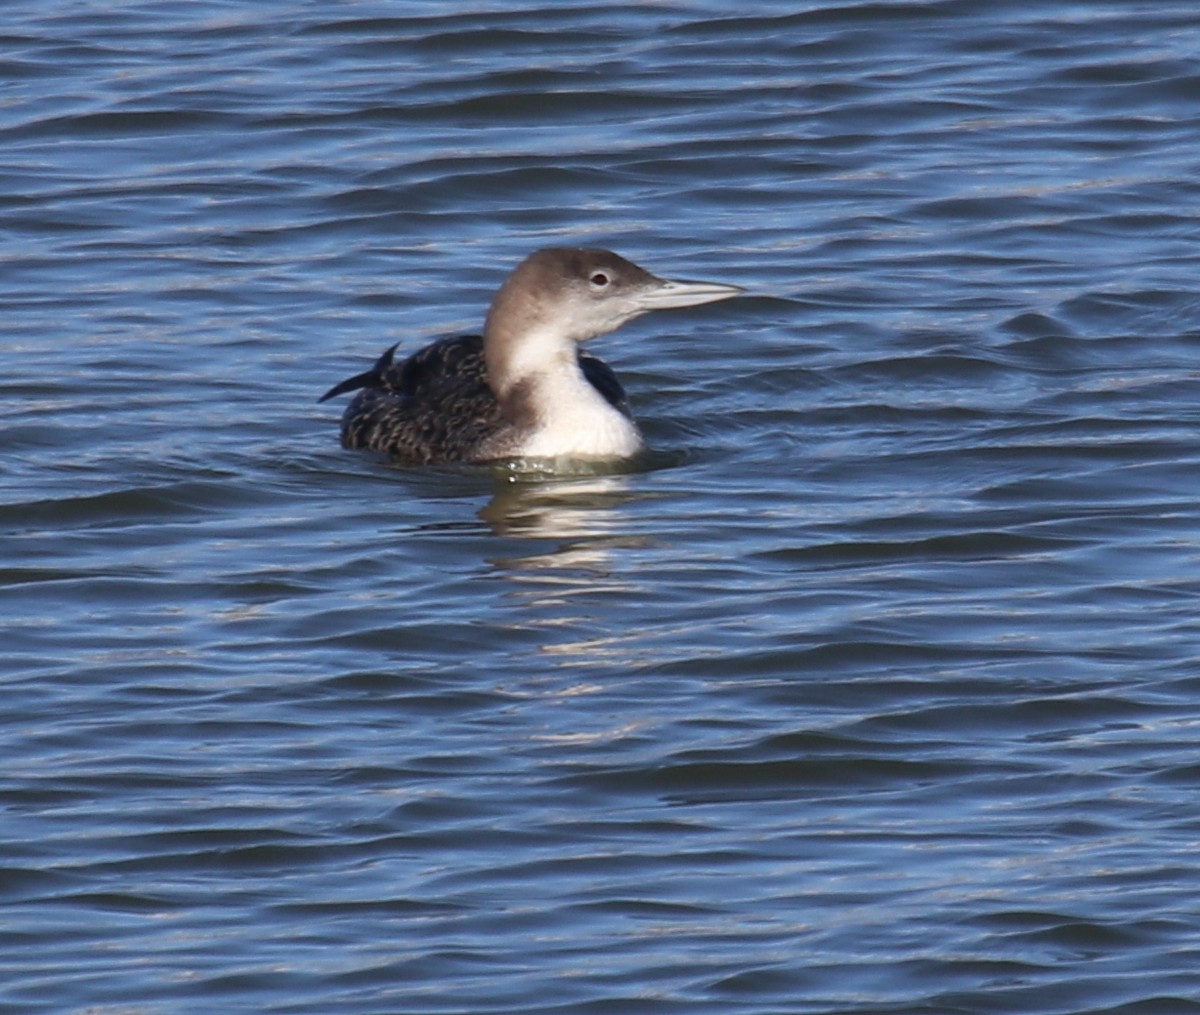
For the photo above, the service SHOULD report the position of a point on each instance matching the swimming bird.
(524, 388)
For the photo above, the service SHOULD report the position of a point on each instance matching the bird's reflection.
(580, 508)
(576, 573)
(575, 589)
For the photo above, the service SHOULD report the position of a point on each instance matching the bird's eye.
(599, 279)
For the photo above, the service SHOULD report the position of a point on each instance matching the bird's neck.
(514, 358)
(544, 394)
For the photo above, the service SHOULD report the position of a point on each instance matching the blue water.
(876, 690)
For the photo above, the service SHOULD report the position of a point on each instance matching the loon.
(524, 388)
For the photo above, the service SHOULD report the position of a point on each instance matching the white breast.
(575, 421)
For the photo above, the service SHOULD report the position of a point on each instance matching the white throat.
(562, 415)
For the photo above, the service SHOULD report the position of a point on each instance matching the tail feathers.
(367, 379)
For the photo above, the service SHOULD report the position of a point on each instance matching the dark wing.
(602, 378)
(447, 363)
(424, 371)
(459, 357)
(372, 378)
(436, 405)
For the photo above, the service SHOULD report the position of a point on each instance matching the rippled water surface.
(875, 690)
